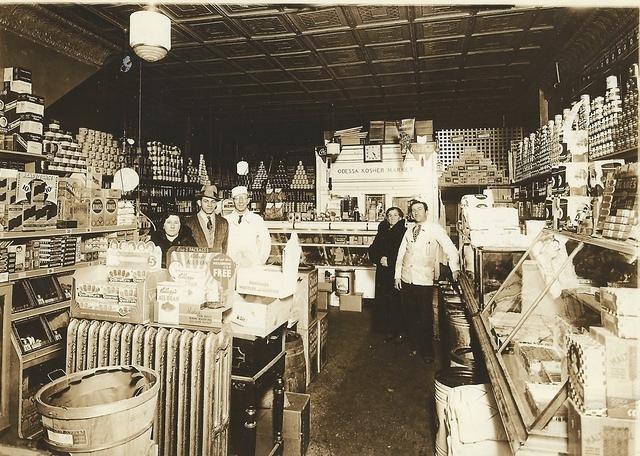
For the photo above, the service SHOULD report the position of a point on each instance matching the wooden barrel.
(295, 366)
(103, 411)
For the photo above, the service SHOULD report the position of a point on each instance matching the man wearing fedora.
(209, 230)
(249, 239)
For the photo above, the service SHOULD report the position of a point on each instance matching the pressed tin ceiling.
(300, 61)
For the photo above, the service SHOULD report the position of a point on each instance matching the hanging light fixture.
(150, 34)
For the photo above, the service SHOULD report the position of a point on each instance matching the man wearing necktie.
(249, 239)
(209, 229)
(414, 276)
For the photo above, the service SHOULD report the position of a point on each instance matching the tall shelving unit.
(22, 365)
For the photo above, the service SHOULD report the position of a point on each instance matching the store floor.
(372, 398)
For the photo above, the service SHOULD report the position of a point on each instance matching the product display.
(104, 154)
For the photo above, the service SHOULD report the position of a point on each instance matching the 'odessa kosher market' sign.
(352, 172)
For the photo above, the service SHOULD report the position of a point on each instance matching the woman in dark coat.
(172, 234)
(383, 253)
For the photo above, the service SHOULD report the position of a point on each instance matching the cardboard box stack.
(604, 400)
(21, 112)
(62, 151)
(28, 201)
(471, 168)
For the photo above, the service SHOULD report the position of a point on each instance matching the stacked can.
(587, 375)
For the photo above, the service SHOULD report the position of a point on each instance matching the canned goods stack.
(63, 153)
(604, 118)
(587, 377)
(625, 133)
(104, 154)
(166, 161)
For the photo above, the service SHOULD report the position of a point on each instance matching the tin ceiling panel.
(393, 52)
(321, 19)
(283, 86)
(315, 74)
(269, 25)
(498, 42)
(448, 75)
(214, 67)
(398, 66)
(397, 79)
(178, 37)
(440, 12)
(371, 14)
(272, 76)
(343, 56)
(283, 46)
(501, 23)
(333, 40)
(255, 63)
(320, 86)
(440, 47)
(351, 83)
(246, 9)
(442, 29)
(537, 38)
(183, 12)
(212, 30)
(349, 71)
(440, 63)
(193, 53)
(238, 49)
(386, 34)
(490, 58)
(302, 60)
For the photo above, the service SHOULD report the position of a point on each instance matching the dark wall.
(54, 74)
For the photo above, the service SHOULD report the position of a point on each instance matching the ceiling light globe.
(150, 35)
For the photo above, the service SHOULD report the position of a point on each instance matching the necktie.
(209, 223)
(416, 232)
(239, 219)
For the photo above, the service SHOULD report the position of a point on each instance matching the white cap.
(239, 190)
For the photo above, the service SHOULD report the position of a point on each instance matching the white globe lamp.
(150, 35)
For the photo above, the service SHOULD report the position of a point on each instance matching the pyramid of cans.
(260, 178)
(279, 179)
(300, 180)
(63, 152)
(166, 161)
(103, 152)
(191, 171)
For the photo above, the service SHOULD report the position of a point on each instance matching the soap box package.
(36, 187)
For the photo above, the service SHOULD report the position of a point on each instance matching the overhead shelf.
(11, 154)
(47, 271)
(20, 315)
(627, 247)
(64, 232)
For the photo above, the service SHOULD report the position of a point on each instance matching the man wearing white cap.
(249, 239)
(209, 230)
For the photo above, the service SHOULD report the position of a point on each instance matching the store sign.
(353, 172)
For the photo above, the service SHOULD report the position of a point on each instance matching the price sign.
(4, 277)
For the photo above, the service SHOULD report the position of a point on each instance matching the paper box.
(325, 286)
(620, 325)
(296, 425)
(305, 299)
(323, 336)
(622, 358)
(622, 301)
(352, 303)
(180, 304)
(36, 187)
(310, 343)
(96, 212)
(258, 315)
(267, 281)
(600, 436)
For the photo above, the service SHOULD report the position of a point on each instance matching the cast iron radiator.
(195, 377)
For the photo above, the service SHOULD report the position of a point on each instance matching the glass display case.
(326, 247)
(530, 327)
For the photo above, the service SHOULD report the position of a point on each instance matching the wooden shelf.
(48, 271)
(304, 244)
(64, 232)
(627, 153)
(22, 314)
(13, 155)
(626, 247)
(42, 354)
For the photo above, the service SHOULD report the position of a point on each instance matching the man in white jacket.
(414, 277)
(249, 239)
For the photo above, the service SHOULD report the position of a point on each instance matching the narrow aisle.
(372, 398)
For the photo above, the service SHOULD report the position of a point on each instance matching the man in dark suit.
(209, 230)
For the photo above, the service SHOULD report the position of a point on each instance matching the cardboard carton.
(352, 303)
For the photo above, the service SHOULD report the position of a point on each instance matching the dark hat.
(209, 191)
